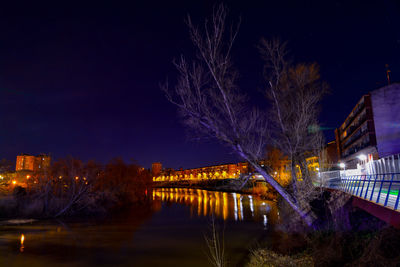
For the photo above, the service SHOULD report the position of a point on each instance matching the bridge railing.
(383, 189)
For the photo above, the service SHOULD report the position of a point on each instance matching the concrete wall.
(386, 111)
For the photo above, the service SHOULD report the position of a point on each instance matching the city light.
(14, 182)
(342, 165)
(362, 157)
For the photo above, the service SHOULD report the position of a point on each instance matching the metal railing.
(383, 189)
(390, 164)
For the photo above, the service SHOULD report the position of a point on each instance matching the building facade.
(329, 156)
(27, 162)
(223, 171)
(386, 111)
(372, 128)
(156, 168)
(281, 171)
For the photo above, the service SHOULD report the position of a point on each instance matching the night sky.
(83, 79)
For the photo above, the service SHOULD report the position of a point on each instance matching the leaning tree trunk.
(306, 216)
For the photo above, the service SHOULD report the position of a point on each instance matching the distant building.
(329, 156)
(27, 162)
(223, 171)
(156, 168)
(372, 128)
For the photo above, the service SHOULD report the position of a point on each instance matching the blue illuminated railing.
(383, 189)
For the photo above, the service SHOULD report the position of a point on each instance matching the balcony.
(357, 148)
(353, 115)
(354, 137)
(354, 127)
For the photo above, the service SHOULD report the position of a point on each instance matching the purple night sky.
(83, 79)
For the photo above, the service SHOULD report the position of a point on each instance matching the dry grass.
(216, 247)
(267, 258)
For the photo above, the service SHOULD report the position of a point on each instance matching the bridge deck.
(381, 189)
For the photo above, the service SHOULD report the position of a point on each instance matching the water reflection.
(21, 248)
(228, 206)
(160, 227)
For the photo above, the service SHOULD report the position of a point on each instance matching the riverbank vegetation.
(367, 242)
(73, 188)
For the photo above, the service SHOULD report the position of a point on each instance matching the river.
(170, 231)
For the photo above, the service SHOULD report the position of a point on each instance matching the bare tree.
(295, 92)
(66, 186)
(210, 101)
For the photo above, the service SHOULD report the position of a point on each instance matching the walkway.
(381, 189)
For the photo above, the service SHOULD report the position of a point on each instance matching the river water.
(170, 231)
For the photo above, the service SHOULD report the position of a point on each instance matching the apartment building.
(372, 127)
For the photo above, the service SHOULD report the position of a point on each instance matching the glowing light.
(251, 205)
(225, 205)
(265, 221)
(21, 248)
(76, 178)
(28, 176)
(342, 165)
(205, 203)
(199, 202)
(14, 182)
(235, 206)
(362, 157)
(241, 215)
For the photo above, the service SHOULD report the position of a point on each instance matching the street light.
(362, 157)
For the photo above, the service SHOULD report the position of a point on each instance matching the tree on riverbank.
(71, 187)
(211, 103)
(295, 92)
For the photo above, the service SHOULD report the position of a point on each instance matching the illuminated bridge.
(378, 194)
(382, 189)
